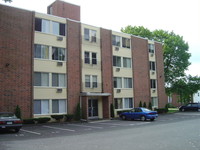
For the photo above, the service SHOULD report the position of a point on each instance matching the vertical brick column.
(162, 97)
(73, 64)
(107, 70)
(141, 79)
(16, 60)
(84, 101)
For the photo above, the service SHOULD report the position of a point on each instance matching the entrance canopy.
(94, 94)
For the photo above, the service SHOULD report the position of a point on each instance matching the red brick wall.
(73, 64)
(141, 79)
(66, 10)
(162, 97)
(16, 60)
(107, 68)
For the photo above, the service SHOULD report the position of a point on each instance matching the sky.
(180, 16)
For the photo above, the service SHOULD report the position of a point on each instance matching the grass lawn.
(172, 110)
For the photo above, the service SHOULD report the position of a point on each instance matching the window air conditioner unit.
(153, 72)
(152, 54)
(59, 63)
(59, 90)
(117, 69)
(118, 90)
(154, 91)
(116, 48)
(59, 38)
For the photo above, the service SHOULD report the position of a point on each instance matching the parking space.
(67, 129)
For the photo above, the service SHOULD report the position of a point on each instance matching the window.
(125, 42)
(154, 102)
(87, 57)
(89, 35)
(58, 106)
(58, 53)
(127, 82)
(116, 61)
(153, 83)
(116, 40)
(117, 82)
(41, 106)
(58, 80)
(58, 28)
(47, 26)
(151, 48)
(128, 103)
(87, 81)
(41, 79)
(94, 58)
(91, 81)
(152, 65)
(126, 62)
(118, 103)
(41, 51)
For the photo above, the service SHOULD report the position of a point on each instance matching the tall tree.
(7, 0)
(175, 49)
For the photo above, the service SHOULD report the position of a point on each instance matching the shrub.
(69, 117)
(111, 110)
(43, 119)
(18, 112)
(144, 105)
(161, 110)
(29, 121)
(57, 117)
(78, 112)
(150, 106)
(140, 104)
(166, 107)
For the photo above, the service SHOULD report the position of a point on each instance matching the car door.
(137, 113)
(130, 114)
(188, 107)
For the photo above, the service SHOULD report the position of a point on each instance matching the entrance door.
(93, 108)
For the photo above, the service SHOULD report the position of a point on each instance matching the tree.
(18, 112)
(7, 1)
(175, 49)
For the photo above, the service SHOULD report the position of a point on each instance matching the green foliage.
(18, 112)
(150, 106)
(7, 1)
(69, 117)
(144, 105)
(161, 110)
(111, 110)
(78, 112)
(140, 104)
(176, 55)
(43, 119)
(29, 121)
(166, 107)
(57, 117)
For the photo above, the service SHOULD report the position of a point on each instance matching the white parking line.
(58, 128)
(30, 132)
(85, 126)
(113, 124)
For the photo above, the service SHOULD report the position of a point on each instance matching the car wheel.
(17, 130)
(152, 119)
(183, 110)
(123, 117)
(198, 110)
(143, 118)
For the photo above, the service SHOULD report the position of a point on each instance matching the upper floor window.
(90, 57)
(41, 51)
(58, 80)
(152, 65)
(41, 79)
(47, 26)
(116, 40)
(125, 42)
(153, 83)
(126, 62)
(90, 35)
(117, 82)
(117, 61)
(151, 48)
(58, 53)
(127, 82)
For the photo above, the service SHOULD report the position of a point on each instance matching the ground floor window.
(154, 102)
(49, 106)
(122, 103)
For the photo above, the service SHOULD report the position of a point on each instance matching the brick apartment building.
(51, 62)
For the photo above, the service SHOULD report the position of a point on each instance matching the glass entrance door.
(93, 108)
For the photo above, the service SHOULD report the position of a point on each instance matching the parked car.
(190, 107)
(139, 113)
(8, 121)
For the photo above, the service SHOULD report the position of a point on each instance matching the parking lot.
(75, 128)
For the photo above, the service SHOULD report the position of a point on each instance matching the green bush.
(57, 117)
(18, 112)
(144, 105)
(161, 110)
(166, 107)
(43, 119)
(140, 104)
(112, 111)
(150, 106)
(69, 117)
(29, 121)
(78, 112)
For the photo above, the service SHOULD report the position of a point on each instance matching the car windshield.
(7, 115)
(145, 110)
